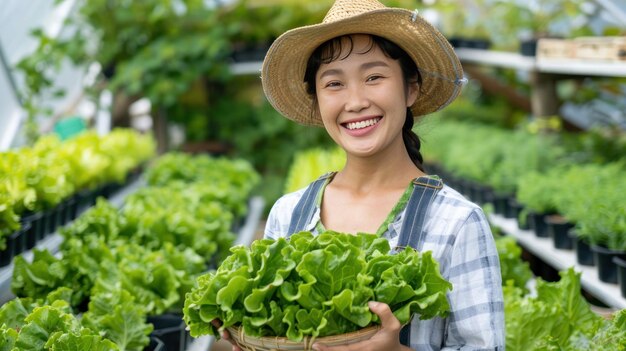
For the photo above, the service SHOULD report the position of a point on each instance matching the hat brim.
(282, 74)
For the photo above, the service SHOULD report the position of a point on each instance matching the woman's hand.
(225, 335)
(387, 338)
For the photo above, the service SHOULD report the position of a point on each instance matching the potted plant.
(523, 153)
(535, 190)
(603, 217)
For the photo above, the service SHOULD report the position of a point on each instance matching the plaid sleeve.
(476, 321)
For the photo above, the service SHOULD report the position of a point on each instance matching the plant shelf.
(561, 260)
(496, 58)
(552, 66)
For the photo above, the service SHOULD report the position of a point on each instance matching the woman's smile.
(361, 126)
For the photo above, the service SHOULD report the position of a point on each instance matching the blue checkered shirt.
(459, 236)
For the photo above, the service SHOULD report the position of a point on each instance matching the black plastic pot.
(607, 270)
(20, 244)
(170, 329)
(36, 229)
(70, 209)
(61, 208)
(6, 255)
(500, 203)
(471, 43)
(558, 228)
(155, 345)
(513, 208)
(584, 255)
(51, 219)
(528, 47)
(538, 224)
(110, 189)
(621, 274)
(480, 193)
(84, 199)
(14, 245)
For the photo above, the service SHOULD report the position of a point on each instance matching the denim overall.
(411, 233)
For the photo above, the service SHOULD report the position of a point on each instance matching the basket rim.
(236, 333)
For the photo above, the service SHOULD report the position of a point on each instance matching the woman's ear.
(411, 96)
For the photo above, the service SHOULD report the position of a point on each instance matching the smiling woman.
(364, 74)
(357, 80)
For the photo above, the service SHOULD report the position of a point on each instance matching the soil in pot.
(607, 269)
(558, 228)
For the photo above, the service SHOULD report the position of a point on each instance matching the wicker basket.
(250, 343)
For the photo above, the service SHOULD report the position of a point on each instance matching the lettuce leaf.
(119, 318)
(553, 318)
(314, 285)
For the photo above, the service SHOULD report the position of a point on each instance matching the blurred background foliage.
(178, 54)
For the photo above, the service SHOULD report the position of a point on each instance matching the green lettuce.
(512, 266)
(119, 318)
(114, 322)
(557, 314)
(315, 285)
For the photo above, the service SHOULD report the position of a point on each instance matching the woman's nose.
(357, 99)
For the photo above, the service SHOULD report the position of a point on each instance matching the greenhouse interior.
(159, 159)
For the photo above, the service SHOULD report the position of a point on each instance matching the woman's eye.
(372, 78)
(332, 84)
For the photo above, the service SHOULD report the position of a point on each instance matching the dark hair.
(331, 50)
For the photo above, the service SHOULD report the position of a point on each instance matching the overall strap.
(424, 192)
(305, 208)
(412, 233)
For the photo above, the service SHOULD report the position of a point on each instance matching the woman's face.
(362, 98)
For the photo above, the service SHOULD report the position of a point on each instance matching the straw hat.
(283, 69)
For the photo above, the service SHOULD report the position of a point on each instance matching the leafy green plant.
(523, 153)
(114, 322)
(591, 197)
(9, 220)
(172, 231)
(228, 180)
(539, 191)
(511, 21)
(511, 265)
(314, 285)
(38, 70)
(558, 318)
(187, 216)
(310, 164)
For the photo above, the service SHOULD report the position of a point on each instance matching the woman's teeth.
(362, 124)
